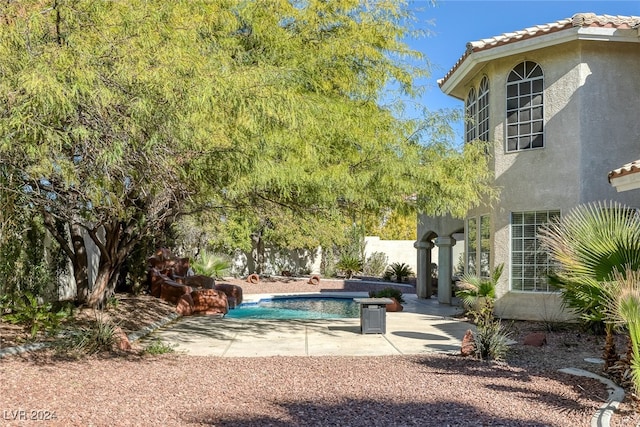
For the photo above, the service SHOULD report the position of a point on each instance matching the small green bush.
(388, 293)
(34, 315)
(375, 264)
(158, 347)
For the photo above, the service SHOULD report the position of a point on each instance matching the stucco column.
(423, 281)
(445, 268)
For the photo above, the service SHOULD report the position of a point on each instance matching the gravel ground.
(425, 390)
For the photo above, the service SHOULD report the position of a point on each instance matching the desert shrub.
(375, 264)
(491, 340)
(388, 293)
(98, 337)
(157, 347)
(36, 316)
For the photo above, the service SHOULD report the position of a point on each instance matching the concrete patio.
(423, 326)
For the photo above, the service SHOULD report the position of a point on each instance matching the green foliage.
(212, 265)
(472, 288)
(397, 225)
(400, 271)
(258, 118)
(36, 316)
(478, 297)
(491, 340)
(98, 337)
(623, 309)
(375, 265)
(157, 347)
(349, 265)
(591, 244)
(388, 293)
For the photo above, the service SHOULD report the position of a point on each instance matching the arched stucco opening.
(436, 231)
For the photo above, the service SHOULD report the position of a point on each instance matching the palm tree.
(212, 265)
(590, 245)
(624, 307)
(473, 288)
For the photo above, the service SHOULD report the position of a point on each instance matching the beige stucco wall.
(591, 107)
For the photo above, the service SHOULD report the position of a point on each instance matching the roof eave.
(476, 58)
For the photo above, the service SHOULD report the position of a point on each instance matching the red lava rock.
(535, 339)
(468, 347)
(200, 281)
(171, 291)
(231, 291)
(209, 301)
(185, 305)
(120, 339)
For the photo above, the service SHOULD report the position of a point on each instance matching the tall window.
(478, 246)
(530, 263)
(483, 110)
(471, 112)
(525, 107)
(472, 244)
(477, 112)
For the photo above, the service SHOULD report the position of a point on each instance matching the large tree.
(119, 117)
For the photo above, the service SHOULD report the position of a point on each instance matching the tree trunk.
(257, 253)
(103, 286)
(80, 264)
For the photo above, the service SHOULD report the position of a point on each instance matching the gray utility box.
(373, 314)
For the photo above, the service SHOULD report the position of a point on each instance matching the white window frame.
(525, 248)
(524, 108)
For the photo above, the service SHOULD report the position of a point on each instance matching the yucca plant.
(212, 265)
(349, 265)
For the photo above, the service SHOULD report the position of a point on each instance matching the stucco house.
(561, 103)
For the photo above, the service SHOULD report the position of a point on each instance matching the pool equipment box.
(373, 314)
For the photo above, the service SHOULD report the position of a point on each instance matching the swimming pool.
(297, 308)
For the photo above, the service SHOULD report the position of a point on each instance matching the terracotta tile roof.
(577, 20)
(628, 169)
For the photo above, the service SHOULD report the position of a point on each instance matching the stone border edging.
(602, 417)
(23, 348)
(134, 336)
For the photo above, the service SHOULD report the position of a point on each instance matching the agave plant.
(349, 265)
(211, 265)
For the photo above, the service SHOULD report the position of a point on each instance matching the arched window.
(525, 107)
(483, 110)
(471, 110)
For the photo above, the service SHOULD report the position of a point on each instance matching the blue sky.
(453, 23)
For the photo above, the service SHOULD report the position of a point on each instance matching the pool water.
(297, 308)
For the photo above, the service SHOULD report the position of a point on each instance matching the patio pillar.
(423, 281)
(445, 268)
